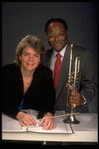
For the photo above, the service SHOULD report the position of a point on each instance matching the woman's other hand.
(48, 122)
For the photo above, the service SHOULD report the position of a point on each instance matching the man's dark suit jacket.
(87, 85)
(40, 95)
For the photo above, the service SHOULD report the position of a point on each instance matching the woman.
(27, 84)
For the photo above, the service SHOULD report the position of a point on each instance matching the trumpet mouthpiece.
(71, 46)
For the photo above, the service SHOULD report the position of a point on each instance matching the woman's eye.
(36, 55)
(26, 54)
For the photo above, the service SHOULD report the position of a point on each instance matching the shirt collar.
(62, 52)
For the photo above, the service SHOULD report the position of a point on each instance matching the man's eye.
(50, 36)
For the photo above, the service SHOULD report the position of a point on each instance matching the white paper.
(11, 125)
(61, 127)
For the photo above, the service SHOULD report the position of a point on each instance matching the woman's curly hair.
(33, 42)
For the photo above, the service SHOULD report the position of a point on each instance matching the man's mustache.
(57, 42)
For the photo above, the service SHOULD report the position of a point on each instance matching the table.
(86, 131)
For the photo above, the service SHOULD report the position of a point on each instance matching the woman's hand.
(25, 119)
(48, 122)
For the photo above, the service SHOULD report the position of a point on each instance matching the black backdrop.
(22, 18)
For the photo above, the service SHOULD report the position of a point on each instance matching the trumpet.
(73, 78)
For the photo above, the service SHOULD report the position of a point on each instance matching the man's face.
(57, 36)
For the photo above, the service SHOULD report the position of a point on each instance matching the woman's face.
(30, 59)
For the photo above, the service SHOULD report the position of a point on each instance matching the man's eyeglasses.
(59, 36)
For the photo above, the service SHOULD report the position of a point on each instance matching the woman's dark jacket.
(40, 95)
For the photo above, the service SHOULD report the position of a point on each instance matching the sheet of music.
(12, 125)
(61, 127)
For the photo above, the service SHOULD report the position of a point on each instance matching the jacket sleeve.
(47, 93)
(88, 87)
(9, 107)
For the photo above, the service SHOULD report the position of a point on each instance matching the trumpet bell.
(71, 120)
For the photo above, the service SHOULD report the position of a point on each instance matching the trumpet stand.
(71, 118)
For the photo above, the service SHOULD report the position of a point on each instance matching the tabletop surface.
(86, 131)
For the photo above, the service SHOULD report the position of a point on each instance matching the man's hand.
(48, 122)
(75, 98)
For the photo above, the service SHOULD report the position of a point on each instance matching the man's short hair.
(56, 20)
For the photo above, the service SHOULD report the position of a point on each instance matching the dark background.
(22, 18)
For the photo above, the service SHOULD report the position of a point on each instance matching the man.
(57, 36)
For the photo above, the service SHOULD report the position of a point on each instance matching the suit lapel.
(64, 71)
